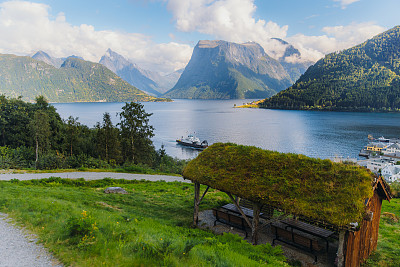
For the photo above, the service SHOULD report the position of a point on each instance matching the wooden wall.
(360, 244)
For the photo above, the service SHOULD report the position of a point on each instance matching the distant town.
(382, 157)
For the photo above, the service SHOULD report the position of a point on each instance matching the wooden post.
(196, 203)
(340, 253)
(240, 209)
(256, 219)
(205, 192)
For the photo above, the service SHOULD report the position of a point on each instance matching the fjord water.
(312, 133)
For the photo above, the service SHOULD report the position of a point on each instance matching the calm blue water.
(313, 133)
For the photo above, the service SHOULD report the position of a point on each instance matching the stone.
(115, 190)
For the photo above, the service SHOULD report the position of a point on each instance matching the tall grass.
(150, 226)
(388, 251)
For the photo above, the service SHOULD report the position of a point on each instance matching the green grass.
(150, 226)
(129, 169)
(388, 251)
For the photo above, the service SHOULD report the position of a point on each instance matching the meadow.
(388, 251)
(149, 226)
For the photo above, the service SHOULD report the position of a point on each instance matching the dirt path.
(92, 176)
(18, 249)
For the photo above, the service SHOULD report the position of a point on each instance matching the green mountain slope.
(224, 70)
(76, 80)
(365, 78)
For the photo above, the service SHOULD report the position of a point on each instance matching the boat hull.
(192, 145)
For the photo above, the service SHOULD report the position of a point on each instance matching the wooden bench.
(295, 238)
(266, 211)
(226, 217)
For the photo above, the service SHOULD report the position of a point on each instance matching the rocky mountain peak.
(221, 69)
(46, 58)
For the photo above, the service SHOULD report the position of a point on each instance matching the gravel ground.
(206, 221)
(92, 176)
(18, 249)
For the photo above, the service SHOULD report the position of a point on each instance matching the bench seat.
(229, 218)
(296, 238)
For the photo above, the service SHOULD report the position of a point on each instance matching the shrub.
(82, 230)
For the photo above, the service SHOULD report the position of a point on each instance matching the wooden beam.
(240, 210)
(256, 219)
(341, 253)
(196, 203)
(205, 192)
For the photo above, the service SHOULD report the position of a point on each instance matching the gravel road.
(92, 176)
(19, 250)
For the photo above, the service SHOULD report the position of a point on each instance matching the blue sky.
(160, 34)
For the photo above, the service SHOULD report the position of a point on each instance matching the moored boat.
(192, 141)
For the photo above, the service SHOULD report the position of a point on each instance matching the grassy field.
(388, 252)
(150, 226)
(129, 169)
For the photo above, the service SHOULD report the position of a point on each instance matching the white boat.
(192, 141)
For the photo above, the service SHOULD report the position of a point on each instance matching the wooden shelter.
(343, 197)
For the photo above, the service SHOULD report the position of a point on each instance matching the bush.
(82, 230)
(50, 161)
(395, 188)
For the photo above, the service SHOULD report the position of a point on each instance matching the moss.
(316, 188)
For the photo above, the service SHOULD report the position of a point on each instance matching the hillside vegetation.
(149, 226)
(75, 81)
(35, 136)
(363, 78)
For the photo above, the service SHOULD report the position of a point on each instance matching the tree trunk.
(133, 150)
(106, 146)
(37, 151)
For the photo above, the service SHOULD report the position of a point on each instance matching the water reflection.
(316, 134)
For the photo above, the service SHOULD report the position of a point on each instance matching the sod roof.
(319, 189)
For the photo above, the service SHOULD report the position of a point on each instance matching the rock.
(115, 190)
(226, 70)
(391, 216)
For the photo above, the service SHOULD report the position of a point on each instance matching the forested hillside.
(76, 80)
(35, 136)
(363, 78)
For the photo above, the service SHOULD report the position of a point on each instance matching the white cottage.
(391, 173)
(393, 149)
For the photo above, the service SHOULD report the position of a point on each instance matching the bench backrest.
(266, 211)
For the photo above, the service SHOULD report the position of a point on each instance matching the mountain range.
(226, 70)
(149, 81)
(365, 77)
(217, 70)
(75, 80)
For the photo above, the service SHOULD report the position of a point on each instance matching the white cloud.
(336, 38)
(230, 20)
(27, 27)
(233, 20)
(345, 3)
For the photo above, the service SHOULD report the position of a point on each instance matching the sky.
(160, 35)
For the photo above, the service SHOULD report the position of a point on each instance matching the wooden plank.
(256, 219)
(205, 192)
(196, 204)
(342, 249)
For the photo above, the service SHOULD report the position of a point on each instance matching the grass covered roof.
(319, 189)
